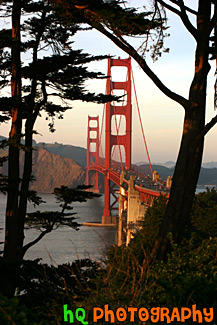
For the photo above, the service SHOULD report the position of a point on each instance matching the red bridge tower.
(111, 139)
(93, 149)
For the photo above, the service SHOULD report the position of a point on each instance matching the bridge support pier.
(120, 235)
(131, 213)
(136, 211)
(107, 218)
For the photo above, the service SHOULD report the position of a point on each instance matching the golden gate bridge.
(147, 184)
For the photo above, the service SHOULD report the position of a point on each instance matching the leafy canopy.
(53, 73)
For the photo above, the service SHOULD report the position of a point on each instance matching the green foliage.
(116, 20)
(204, 215)
(125, 21)
(202, 224)
(54, 69)
(189, 276)
(44, 289)
(144, 240)
(11, 312)
(125, 264)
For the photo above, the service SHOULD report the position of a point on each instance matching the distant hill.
(171, 164)
(208, 176)
(78, 154)
(163, 171)
(52, 171)
(168, 164)
(212, 164)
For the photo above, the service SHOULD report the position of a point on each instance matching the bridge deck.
(143, 183)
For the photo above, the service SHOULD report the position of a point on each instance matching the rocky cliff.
(51, 170)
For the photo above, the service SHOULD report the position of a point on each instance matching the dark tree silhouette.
(55, 71)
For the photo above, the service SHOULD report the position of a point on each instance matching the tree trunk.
(18, 194)
(191, 151)
(183, 189)
(33, 111)
(12, 251)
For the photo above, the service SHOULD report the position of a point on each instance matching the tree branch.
(141, 61)
(186, 21)
(206, 128)
(35, 241)
(186, 7)
(169, 7)
(182, 14)
(213, 21)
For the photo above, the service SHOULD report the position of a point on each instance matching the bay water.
(65, 244)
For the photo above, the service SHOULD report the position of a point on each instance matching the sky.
(162, 118)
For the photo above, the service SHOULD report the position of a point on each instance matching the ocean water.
(65, 244)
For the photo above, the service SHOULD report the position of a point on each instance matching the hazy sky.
(162, 118)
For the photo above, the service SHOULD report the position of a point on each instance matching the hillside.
(208, 176)
(78, 154)
(52, 171)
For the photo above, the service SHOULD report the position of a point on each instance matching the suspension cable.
(140, 120)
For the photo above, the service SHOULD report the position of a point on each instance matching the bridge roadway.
(144, 184)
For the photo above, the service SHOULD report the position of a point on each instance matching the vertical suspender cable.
(140, 120)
